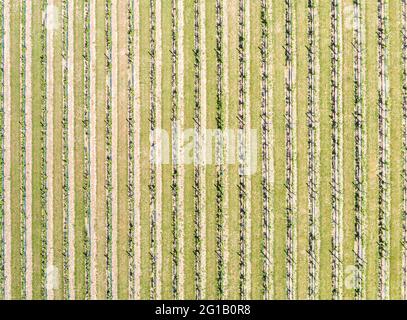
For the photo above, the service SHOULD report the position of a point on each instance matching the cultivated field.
(203, 149)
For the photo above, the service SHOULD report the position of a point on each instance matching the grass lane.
(122, 167)
(101, 249)
(167, 83)
(145, 164)
(372, 152)
(79, 208)
(325, 169)
(279, 257)
(233, 177)
(15, 149)
(302, 138)
(57, 237)
(36, 117)
(396, 220)
(256, 199)
(348, 147)
(211, 85)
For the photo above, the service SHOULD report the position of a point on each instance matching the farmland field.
(203, 149)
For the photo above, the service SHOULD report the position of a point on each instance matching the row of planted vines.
(337, 155)
(242, 153)
(198, 154)
(360, 153)
(384, 154)
(283, 174)
(2, 249)
(132, 149)
(44, 171)
(290, 140)
(220, 153)
(176, 167)
(65, 153)
(313, 151)
(87, 148)
(23, 142)
(404, 171)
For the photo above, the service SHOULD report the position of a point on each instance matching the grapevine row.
(86, 149)
(220, 153)
(197, 153)
(2, 211)
(65, 151)
(175, 142)
(243, 118)
(291, 183)
(404, 132)
(360, 151)
(384, 152)
(133, 151)
(44, 131)
(28, 152)
(109, 149)
(23, 158)
(267, 175)
(131, 141)
(154, 245)
(336, 177)
(313, 153)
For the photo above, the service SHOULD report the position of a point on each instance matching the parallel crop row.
(336, 178)
(242, 151)
(220, 154)
(65, 151)
(23, 159)
(153, 155)
(197, 153)
(86, 150)
(175, 161)
(44, 131)
(2, 249)
(267, 177)
(109, 148)
(404, 131)
(360, 151)
(384, 152)
(313, 153)
(131, 185)
(290, 128)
